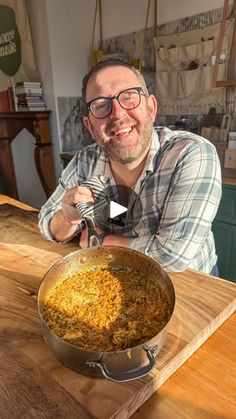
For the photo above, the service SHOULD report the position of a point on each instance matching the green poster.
(10, 42)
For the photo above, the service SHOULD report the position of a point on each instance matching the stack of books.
(29, 96)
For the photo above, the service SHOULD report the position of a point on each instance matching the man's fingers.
(78, 194)
(83, 195)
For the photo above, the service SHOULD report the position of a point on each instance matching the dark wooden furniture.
(37, 123)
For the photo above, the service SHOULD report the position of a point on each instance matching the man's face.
(124, 135)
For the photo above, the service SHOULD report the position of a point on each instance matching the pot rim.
(90, 249)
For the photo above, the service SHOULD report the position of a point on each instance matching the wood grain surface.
(204, 387)
(33, 383)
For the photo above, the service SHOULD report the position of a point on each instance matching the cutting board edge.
(204, 334)
(168, 370)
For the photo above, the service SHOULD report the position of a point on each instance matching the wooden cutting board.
(37, 383)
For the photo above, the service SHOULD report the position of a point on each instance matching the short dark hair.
(109, 62)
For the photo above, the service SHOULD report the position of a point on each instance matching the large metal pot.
(124, 365)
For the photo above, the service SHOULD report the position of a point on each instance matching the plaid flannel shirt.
(180, 191)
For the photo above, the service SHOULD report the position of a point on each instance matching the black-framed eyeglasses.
(128, 99)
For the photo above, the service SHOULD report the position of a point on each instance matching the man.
(175, 175)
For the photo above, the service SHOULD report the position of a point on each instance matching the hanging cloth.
(17, 61)
(184, 69)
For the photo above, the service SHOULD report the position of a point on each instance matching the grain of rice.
(106, 309)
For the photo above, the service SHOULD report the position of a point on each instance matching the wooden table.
(33, 384)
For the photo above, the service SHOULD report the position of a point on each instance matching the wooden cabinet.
(224, 229)
(37, 123)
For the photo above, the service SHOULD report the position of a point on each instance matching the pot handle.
(93, 238)
(129, 375)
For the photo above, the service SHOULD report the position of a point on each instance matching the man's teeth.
(122, 131)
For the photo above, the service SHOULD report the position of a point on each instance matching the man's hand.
(109, 239)
(65, 222)
(84, 237)
(73, 196)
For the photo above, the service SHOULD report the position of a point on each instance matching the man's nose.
(117, 111)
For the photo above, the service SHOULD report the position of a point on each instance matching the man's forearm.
(61, 228)
(116, 240)
(108, 240)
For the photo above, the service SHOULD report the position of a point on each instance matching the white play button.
(116, 209)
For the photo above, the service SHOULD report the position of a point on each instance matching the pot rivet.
(83, 259)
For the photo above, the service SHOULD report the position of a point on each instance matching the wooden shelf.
(226, 83)
(231, 72)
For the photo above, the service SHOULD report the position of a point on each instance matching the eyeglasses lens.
(128, 99)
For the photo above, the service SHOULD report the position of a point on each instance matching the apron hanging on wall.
(184, 69)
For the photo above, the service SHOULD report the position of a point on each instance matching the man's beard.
(125, 154)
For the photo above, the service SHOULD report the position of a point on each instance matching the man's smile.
(121, 131)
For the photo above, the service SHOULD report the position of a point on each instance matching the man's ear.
(152, 106)
(88, 125)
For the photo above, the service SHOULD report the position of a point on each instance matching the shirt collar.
(102, 169)
(152, 154)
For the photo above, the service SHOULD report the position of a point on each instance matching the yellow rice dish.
(106, 309)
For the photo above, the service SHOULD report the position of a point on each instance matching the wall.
(62, 35)
(29, 188)
(124, 16)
